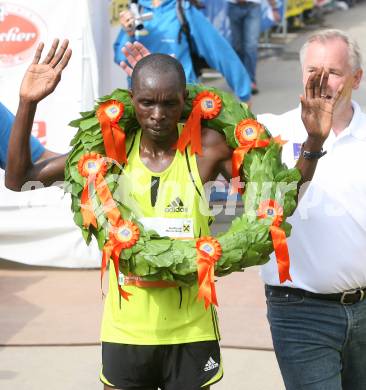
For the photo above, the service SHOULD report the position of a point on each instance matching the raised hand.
(42, 78)
(133, 53)
(317, 107)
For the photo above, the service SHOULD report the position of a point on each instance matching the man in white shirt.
(318, 321)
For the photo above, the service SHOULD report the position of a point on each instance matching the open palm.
(318, 108)
(133, 52)
(42, 78)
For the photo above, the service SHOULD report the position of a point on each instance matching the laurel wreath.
(134, 250)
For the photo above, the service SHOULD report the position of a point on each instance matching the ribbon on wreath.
(247, 134)
(93, 167)
(206, 105)
(271, 209)
(90, 166)
(114, 138)
(208, 253)
(123, 235)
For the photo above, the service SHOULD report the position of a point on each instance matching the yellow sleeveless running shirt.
(173, 203)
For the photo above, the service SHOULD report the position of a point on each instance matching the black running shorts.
(190, 366)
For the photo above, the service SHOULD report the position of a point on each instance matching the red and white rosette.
(91, 165)
(206, 105)
(208, 253)
(114, 138)
(272, 210)
(247, 134)
(122, 236)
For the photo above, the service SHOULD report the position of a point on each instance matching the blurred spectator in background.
(245, 22)
(179, 29)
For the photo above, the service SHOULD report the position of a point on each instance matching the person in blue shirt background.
(162, 34)
(39, 152)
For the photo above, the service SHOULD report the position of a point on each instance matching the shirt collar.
(357, 126)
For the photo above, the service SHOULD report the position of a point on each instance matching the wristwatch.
(312, 155)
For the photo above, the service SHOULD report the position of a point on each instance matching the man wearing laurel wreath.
(161, 337)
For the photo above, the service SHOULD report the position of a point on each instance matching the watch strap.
(312, 155)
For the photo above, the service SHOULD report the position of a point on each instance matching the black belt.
(346, 298)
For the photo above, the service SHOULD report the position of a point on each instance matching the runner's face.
(158, 102)
(332, 56)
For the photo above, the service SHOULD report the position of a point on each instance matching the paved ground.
(34, 304)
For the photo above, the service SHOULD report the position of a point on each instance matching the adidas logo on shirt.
(176, 206)
(210, 365)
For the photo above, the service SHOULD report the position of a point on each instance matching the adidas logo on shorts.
(176, 206)
(210, 365)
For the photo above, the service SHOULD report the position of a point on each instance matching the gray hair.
(354, 52)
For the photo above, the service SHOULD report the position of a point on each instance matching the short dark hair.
(159, 64)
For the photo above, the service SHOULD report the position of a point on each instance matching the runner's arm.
(39, 81)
